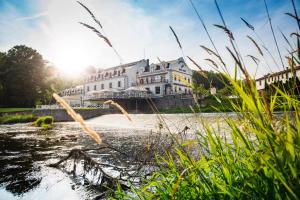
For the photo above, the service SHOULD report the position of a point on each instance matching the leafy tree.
(203, 81)
(24, 77)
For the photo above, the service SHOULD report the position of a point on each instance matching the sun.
(70, 57)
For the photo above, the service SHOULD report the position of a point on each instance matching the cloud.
(135, 31)
(32, 17)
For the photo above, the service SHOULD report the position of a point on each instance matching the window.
(175, 78)
(157, 90)
(147, 69)
(157, 67)
(259, 82)
(115, 72)
(119, 83)
(123, 70)
(87, 88)
(185, 91)
(102, 86)
(175, 89)
(95, 87)
(110, 85)
(189, 81)
(141, 81)
(119, 73)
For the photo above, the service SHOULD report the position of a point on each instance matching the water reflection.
(26, 151)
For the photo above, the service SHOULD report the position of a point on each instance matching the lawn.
(7, 110)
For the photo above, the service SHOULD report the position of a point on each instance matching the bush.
(45, 122)
(18, 118)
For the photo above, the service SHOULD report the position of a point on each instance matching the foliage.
(18, 118)
(45, 122)
(210, 79)
(24, 76)
(8, 110)
(257, 156)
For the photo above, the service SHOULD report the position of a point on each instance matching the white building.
(115, 78)
(282, 76)
(136, 80)
(73, 96)
(165, 78)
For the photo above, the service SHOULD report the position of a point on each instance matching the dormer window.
(123, 70)
(157, 67)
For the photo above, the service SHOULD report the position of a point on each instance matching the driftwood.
(144, 162)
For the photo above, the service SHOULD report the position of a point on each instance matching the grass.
(258, 157)
(45, 122)
(8, 110)
(12, 119)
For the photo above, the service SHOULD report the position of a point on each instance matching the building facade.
(166, 78)
(137, 79)
(282, 76)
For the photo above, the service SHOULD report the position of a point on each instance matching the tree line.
(27, 79)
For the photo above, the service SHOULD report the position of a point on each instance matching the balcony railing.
(134, 95)
(154, 81)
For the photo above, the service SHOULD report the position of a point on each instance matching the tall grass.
(257, 158)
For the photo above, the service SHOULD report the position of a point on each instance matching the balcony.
(161, 71)
(119, 95)
(153, 81)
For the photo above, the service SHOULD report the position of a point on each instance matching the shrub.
(45, 122)
(18, 118)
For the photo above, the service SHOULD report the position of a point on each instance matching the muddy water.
(26, 151)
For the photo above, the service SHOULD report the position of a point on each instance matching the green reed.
(257, 158)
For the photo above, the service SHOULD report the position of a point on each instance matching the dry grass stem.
(77, 118)
(247, 24)
(256, 45)
(119, 108)
(178, 42)
(90, 12)
(98, 33)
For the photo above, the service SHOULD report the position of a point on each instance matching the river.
(27, 151)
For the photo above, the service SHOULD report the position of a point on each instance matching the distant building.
(115, 78)
(282, 76)
(73, 96)
(135, 80)
(166, 78)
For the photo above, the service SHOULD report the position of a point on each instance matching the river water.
(26, 151)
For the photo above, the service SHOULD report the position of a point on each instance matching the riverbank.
(12, 110)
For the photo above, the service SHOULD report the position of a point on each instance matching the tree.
(24, 77)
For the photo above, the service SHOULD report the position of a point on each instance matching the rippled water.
(26, 151)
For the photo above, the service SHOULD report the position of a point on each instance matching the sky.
(140, 29)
